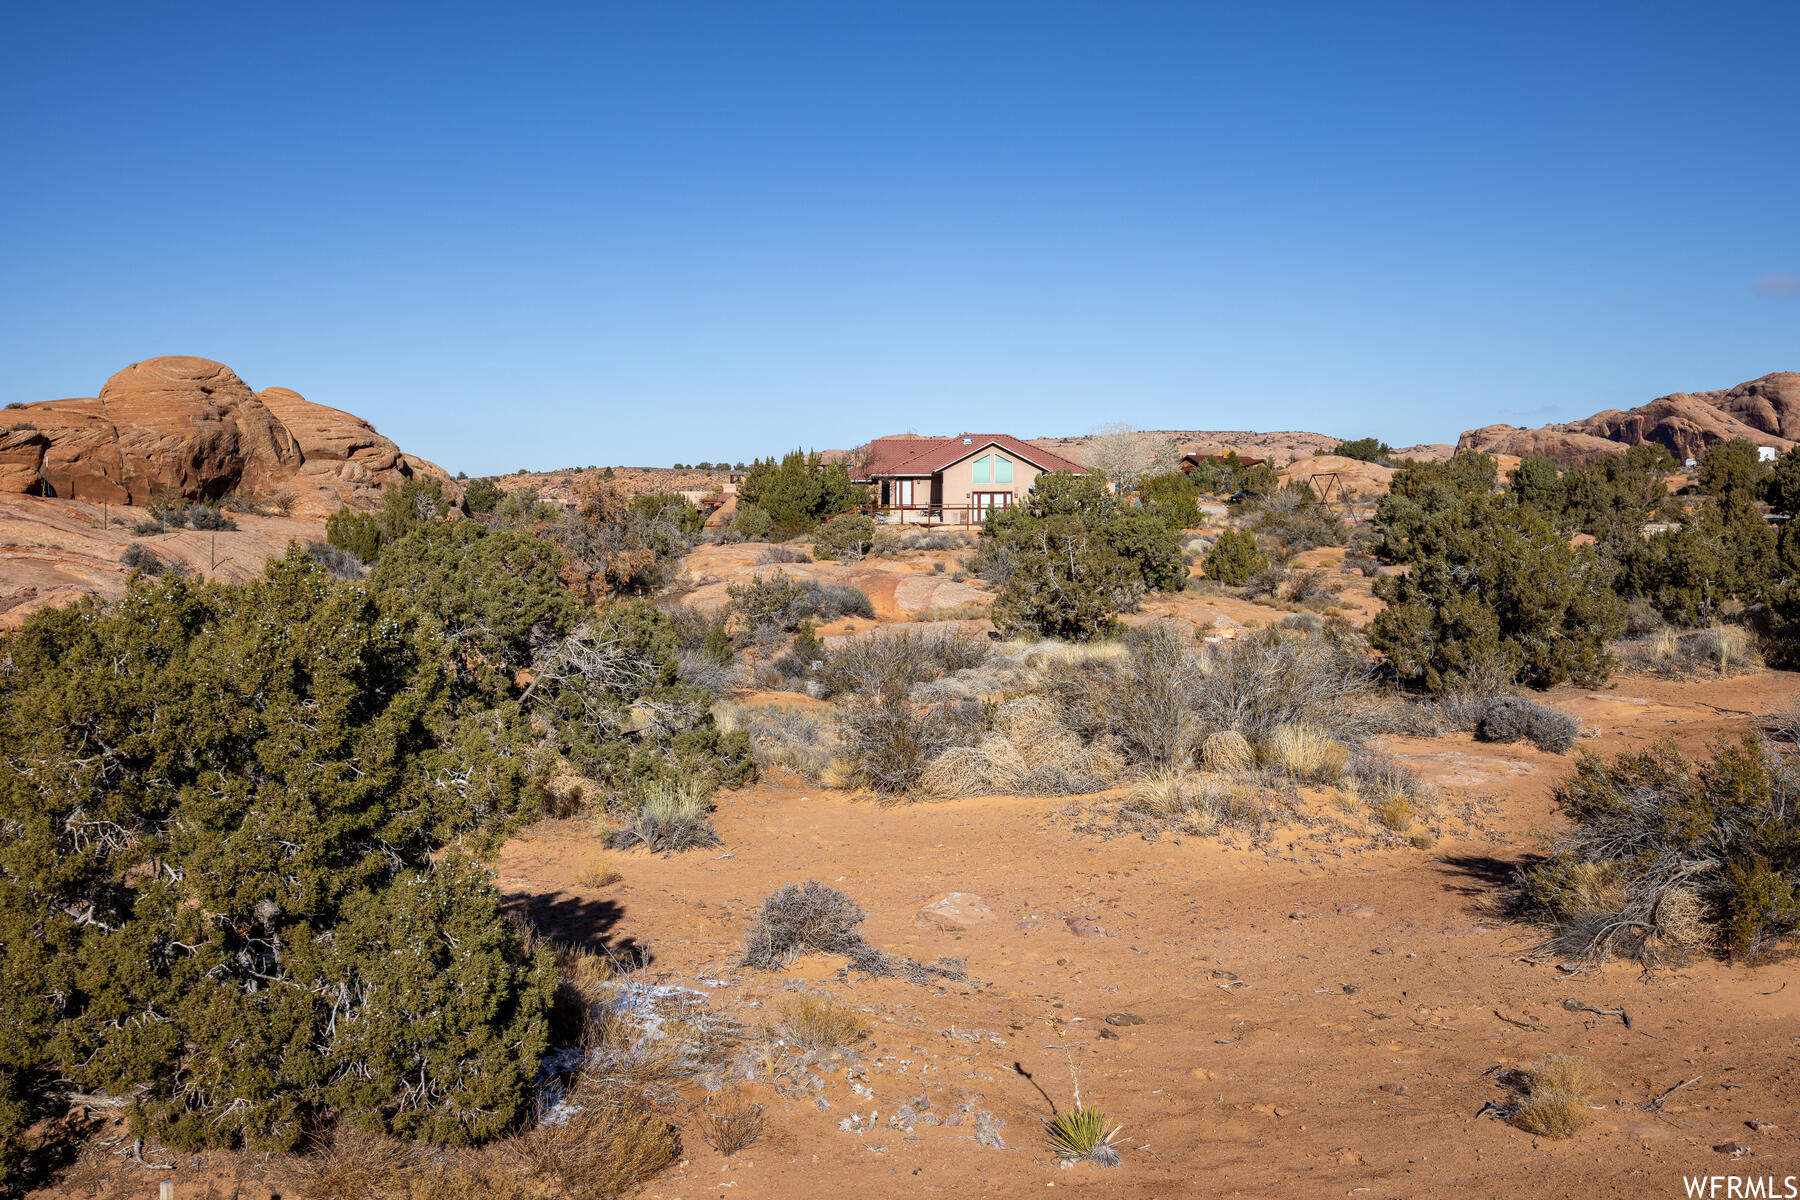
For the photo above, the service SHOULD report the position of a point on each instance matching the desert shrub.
(1264, 680)
(1266, 583)
(206, 517)
(888, 741)
(1227, 750)
(1368, 449)
(670, 506)
(776, 555)
(771, 605)
(1302, 623)
(1063, 581)
(809, 918)
(1152, 704)
(1723, 833)
(1489, 580)
(783, 737)
(496, 595)
(1311, 587)
(1304, 752)
(613, 548)
(1554, 1096)
(1173, 498)
(612, 693)
(139, 557)
(751, 523)
(799, 491)
(898, 659)
(729, 1126)
(193, 873)
(339, 564)
(823, 1023)
(1381, 777)
(1293, 516)
(1150, 545)
(672, 815)
(481, 496)
(1234, 558)
(847, 538)
(603, 1150)
(355, 533)
(1516, 719)
(1029, 751)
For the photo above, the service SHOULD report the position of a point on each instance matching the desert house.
(954, 480)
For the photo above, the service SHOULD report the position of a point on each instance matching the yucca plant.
(1081, 1132)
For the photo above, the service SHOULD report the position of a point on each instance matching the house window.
(991, 468)
(984, 502)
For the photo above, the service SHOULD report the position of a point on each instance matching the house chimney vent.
(968, 441)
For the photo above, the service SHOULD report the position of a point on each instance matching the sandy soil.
(1315, 1014)
(56, 551)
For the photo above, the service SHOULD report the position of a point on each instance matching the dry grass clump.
(671, 816)
(357, 1165)
(895, 660)
(1227, 750)
(1555, 1096)
(816, 1021)
(605, 1150)
(1304, 752)
(1029, 752)
(788, 738)
(354, 1165)
(731, 1124)
(1722, 650)
(1397, 797)
(598, 871)
(888, 743)
(809, 918)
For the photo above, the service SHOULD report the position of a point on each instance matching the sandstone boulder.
(1764, 412)
(188, 428)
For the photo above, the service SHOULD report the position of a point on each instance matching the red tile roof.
(886, 453)
(934, 454)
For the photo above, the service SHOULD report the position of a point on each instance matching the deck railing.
(926, 514)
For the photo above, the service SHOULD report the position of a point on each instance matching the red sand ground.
(1319, 1013)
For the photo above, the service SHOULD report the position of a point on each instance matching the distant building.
(1767, 454)
(1190, 461)
(952, 481)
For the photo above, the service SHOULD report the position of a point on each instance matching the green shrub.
(1234, 558)
(751, 523)
(1368, 449)
(612, 548)
(1491, 581)
(355, 533)
(847, 538)
(1174, 499)
(1065, 582)
(481, 496)
(496, 595)
(671, 505)
(799, 491)
(271, 856)
(1662, 855)
(612, 691)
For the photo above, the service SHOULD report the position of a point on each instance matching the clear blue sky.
(542, 235)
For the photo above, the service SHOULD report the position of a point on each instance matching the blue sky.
(541, 235)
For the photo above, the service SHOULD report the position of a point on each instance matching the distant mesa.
(189, 428)
(1764, 411)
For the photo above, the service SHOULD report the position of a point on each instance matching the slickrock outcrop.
(1764, 411)
(189, 428)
